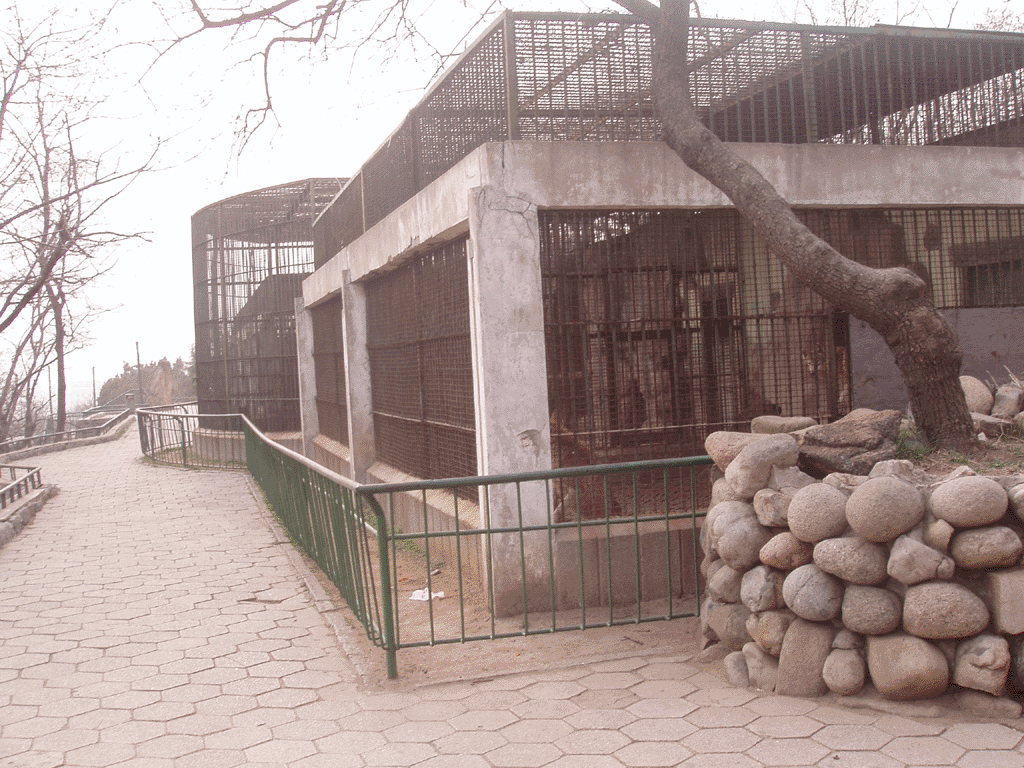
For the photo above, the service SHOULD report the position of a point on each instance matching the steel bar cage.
(561, 77)
(662, 326)
(249, 256)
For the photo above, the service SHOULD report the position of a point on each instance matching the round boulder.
(786, 552)
(871, 610)
(740, 544)
(813, 594)
(852, 559)
(749, 471)
(844, 672)
(724, 585)
(969, 502)
(768, 629)
(979, 397)
(883, 508)
(906, 668)
(983, 664)
(986, 548)
(761, 589)
(817, 512)
(943, 610)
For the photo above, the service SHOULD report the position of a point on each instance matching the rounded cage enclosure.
(250, 254)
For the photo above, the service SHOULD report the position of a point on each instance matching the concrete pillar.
(362, 448)
(308, 415)
(510, 378)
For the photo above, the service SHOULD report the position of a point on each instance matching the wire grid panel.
(466, 109)
(421, 365)
(340, 223)
(329, 364)
(584, 81)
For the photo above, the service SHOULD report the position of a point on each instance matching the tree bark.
(893, 302)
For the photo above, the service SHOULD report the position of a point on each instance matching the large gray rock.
(1016, 497)
(1004, 590)
(937, 533)
(724, 585)
(980, 704)
(905, 668)
(773, 425)
(852, 559)
(786, 552)
(817, 512)
(735, 666)
(788, 480)
(901, 469)
(967, 502)
(844, 481)
(762, 668)
(729, 624)
(871, 610)
(740, 545)
(813, 594)
(912, 561)
(749, 471)
(802, 660)
(769, 629)
(722, 491)
(940, 610)
(983, 664)
(853, 444)
(1008, 401)
(722, 517)
(883, 508)
(986, 548)
(844, 672)
(723, 447)
(761, 589)
(771, 507)
(978, 395)
(990, 426)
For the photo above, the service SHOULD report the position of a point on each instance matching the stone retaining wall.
(899, 579)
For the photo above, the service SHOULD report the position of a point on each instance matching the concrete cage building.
(524, 277)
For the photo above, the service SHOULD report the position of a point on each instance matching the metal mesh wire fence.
(556, 77)
(329, 363)
(420, 365)
(663, 326)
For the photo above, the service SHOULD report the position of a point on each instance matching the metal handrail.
(51, 438)
(19, 486)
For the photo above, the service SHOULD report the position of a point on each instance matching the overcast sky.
(332, 112)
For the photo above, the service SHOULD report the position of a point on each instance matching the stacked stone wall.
(898, 579)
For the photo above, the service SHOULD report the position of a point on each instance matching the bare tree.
(53, 241)
(894, 302)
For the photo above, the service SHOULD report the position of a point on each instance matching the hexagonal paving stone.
(469, 742)
(279, 751)
(592, 742)
(787, 752)
(652, 753)
(784, 726)
(720, 717)
(659, 729)
(557, 709)
(423, 731)
(923, 750)
(852, 737)
(523, 755)
(398, 755)
(540, 731)
(609, 680)
(983, 736)
(720, 740)
(546, 691)
(484, 720)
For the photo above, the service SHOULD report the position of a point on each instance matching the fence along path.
(150, 616)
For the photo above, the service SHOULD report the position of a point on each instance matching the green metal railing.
(480, 558)
(22, 481)
(180, 435)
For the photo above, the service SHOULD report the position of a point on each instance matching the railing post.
(184, 445)
(387, 608)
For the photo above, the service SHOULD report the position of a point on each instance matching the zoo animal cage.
(249, 256)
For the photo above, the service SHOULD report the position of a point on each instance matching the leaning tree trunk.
(894, 302)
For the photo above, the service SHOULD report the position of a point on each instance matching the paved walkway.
(150, 618)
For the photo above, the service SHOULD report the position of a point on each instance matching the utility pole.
(138, 363)
(94, 386)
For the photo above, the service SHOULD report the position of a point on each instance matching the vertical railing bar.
(426, 554)
(551, 553)
(608, 553)
(636, 547)
(522, 559)
(458, 569)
